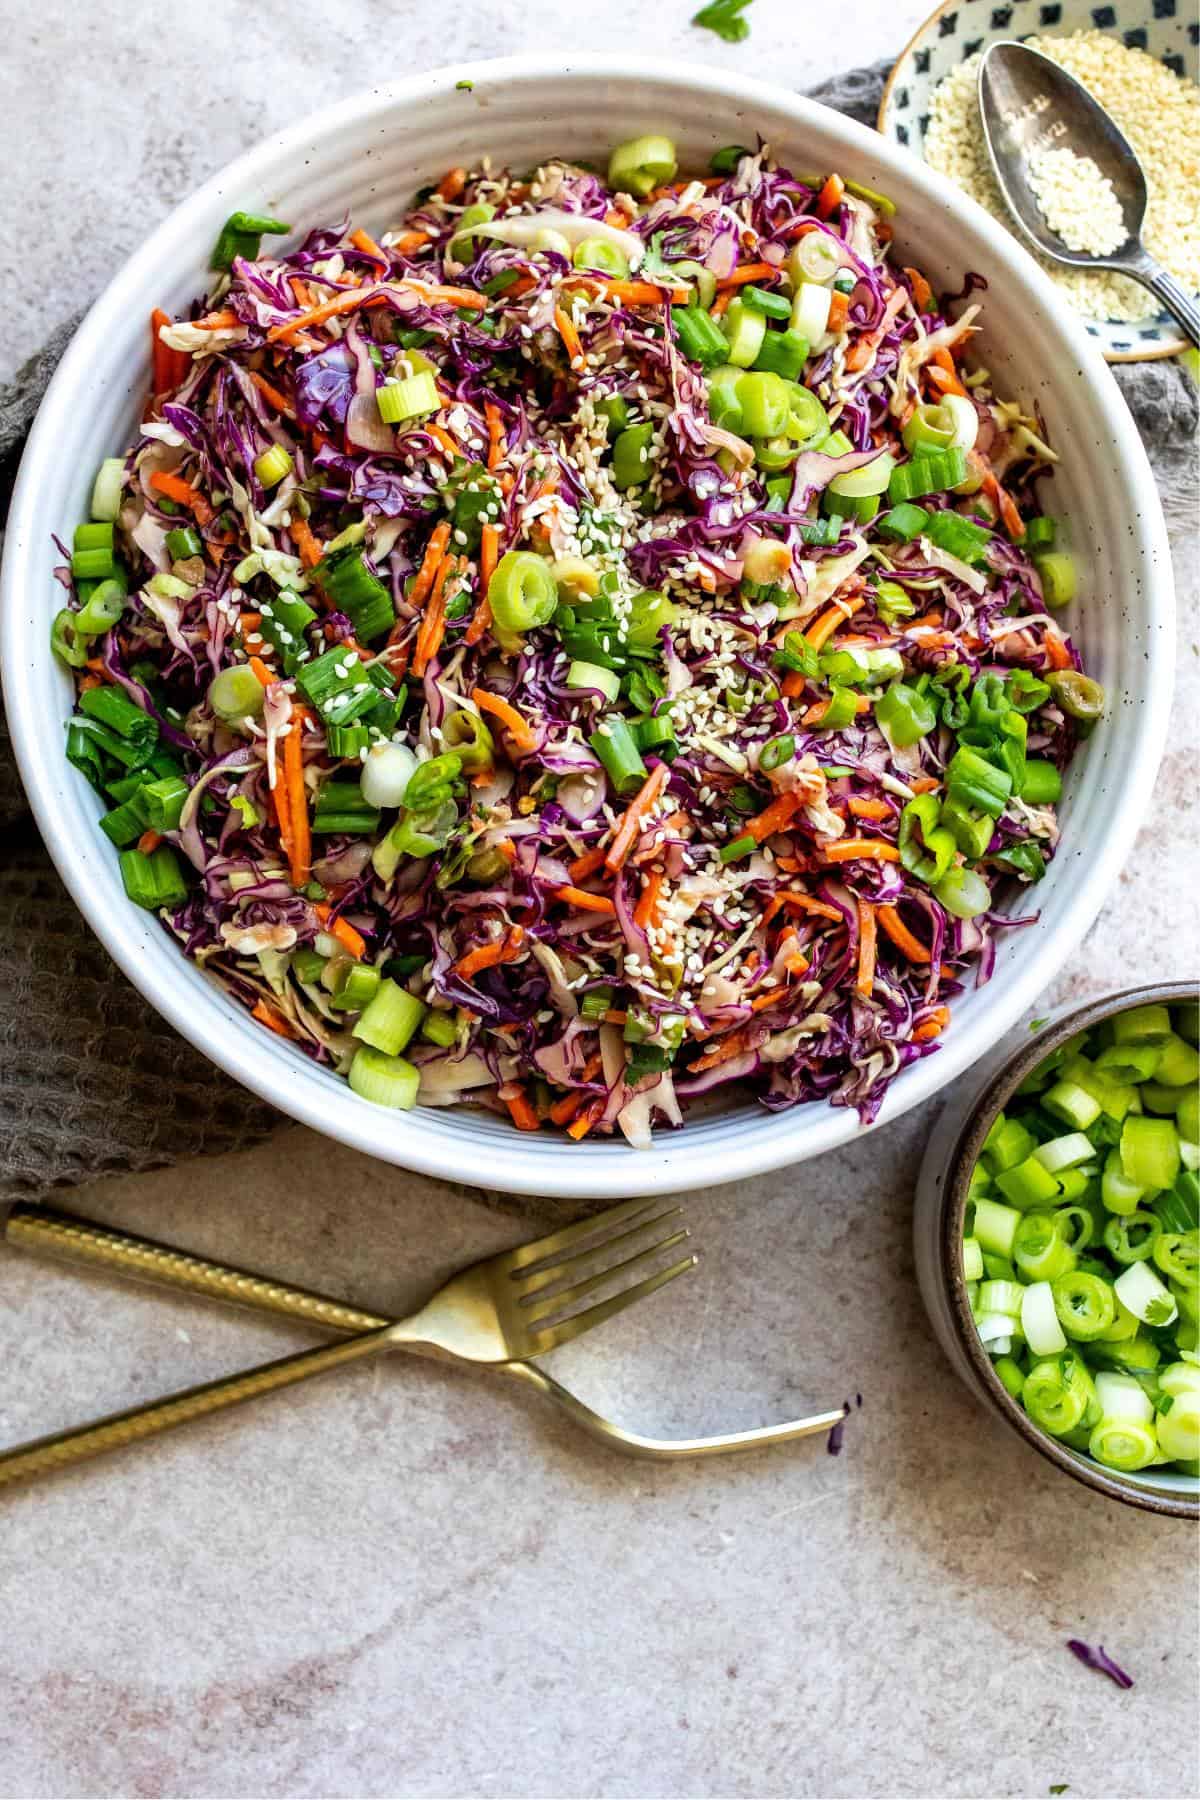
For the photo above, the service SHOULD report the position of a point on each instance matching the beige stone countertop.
(404, 1581)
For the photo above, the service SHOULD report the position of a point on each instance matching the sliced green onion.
(357, 986)
(926, 849)
(412, 397)
(1132, 1237)
(1149, 1151)
(783, 353)
(1147, 1297)
(640, 164)
(904, 523)
(236, 694)
(586, 675)
(931, 474)
(1040, 533)
(183, 541)
(630, 457)
(737, 848)
(817, 257)
(240, 235)
(744, 330)
(725, 162)
(107, 488)
(386, 1080)
(602, 255)
(700, 338)
(391, 1018)
(996, 1226)
(1056, 572)
(1059, 1393)
(273, 465)
(1039, 1319)
(1027, 1185)
(614, 743)
(1077, 694)
(776, 752)
(1085, 1304)
(1042, 785)
(522, 592)
(466, 734)
(904, 715)
(153, 881)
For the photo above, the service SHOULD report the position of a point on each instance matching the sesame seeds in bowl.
(1140, 60)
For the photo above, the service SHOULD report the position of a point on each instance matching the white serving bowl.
(365, 158)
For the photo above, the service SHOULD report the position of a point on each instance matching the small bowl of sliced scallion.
(1057, 1233)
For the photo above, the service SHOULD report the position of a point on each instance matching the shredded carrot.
(300, 291)
(89, 682)
(452, 184)
(489, 555)
(495, 425)
(647, 905)
(372, 296)
(762, 1001)
(274, 1021)
(721, 304)
(310, 547)
(830, 196)
(411, 240)
(446, 439)
(922, 293)
(342, 930)
(1057, 653)
(566, 330)
(489, 956)
(839, 310)
(225, 320)
(851, 849)
(433, 620)
(169, 368)
(865, 979)
(435, 550)
(1003, 501)
(627, 831)
(584, 902)
(521, 1109)
(149, 842)
(641, 293)
(730, 1046)
(564, 1110)
(863, 351)
(249, 623)
(823, 628)
(869, 809)
(758, 271)
(261, 670)
(805, 903)
(933, 1026)
(924, 784)
(900, 935)
(517, 727)
(364, 242)
(300, 846)
(819, 708)
(579, 1127)
(587, 864)
(774, 818)
(175, 488)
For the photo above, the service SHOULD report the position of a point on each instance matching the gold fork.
(497, 1312)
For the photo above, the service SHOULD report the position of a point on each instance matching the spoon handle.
(1178, 302)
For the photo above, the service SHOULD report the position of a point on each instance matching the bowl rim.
(1172, 346)
(608, 1170)
(952, 1204)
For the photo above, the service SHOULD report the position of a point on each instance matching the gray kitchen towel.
(92, 1081)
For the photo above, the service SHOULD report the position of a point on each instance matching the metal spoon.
(1029, 104)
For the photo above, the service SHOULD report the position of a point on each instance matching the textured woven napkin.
(92, 1081)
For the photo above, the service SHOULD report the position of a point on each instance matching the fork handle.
(43, 1230)
(62, 1449)
(666, 1449)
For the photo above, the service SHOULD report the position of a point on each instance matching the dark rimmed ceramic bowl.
(940, 1205)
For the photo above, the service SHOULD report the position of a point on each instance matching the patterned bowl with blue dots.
(1166, 29)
